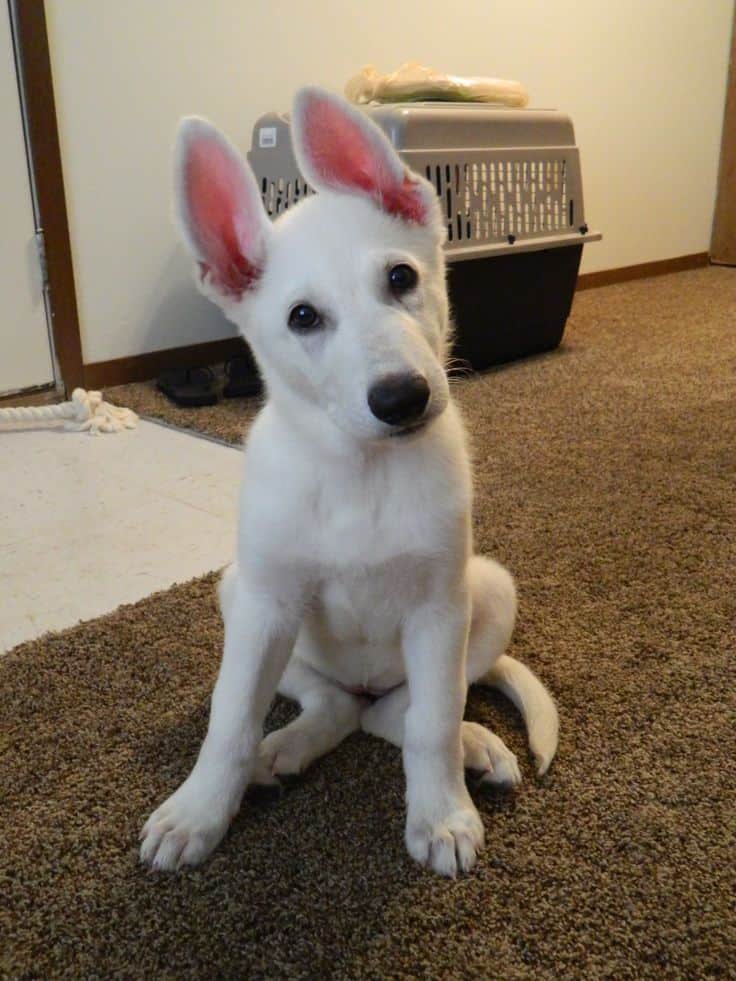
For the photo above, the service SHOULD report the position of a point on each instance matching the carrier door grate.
(488, 196)
(491, 198)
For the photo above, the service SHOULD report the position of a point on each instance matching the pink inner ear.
(218, 205)
(405, 200)
(345, 156)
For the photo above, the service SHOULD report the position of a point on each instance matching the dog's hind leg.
(328, 715)
(494, 612)
(493, 596)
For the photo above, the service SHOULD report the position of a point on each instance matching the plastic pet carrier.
(510, 186)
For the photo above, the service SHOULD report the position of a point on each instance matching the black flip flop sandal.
(188, 387)
(242, 377)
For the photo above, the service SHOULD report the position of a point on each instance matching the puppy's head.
(343, 298)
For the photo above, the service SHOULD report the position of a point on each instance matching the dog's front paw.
(187, 827)
(448, 843)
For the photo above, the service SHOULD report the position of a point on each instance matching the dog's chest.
(367, 605)
(373, 517)
(375, 543)
(353, 630)
(360, 526)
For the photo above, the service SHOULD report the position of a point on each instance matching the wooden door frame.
(35, 82)
(723, 241)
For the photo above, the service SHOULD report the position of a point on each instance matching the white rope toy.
(86, 412)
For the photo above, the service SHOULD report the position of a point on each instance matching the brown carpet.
(605, 480)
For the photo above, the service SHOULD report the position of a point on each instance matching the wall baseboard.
(142, 367)
(37, 395)
(607, 277)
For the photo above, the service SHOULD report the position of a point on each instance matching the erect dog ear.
(338, 148)
(220, 210)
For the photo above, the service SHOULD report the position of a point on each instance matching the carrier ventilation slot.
(489, 200)
(280, 194)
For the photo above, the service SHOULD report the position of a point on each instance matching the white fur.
(354, 562)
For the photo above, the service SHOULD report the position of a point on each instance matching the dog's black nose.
(399, 399)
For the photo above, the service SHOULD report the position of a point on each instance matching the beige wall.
(644, 81)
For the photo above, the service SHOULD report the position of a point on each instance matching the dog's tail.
(534, 702)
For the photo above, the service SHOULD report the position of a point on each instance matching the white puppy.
(355, 590)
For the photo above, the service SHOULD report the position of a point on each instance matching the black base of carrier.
(508, 306)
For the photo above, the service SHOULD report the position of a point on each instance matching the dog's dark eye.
(304, 317)
(402, 278)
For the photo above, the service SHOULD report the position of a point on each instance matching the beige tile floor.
(88, 523)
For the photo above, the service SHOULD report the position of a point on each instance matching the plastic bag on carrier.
(413, 82)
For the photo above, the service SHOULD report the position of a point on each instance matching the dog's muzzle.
(399, 399)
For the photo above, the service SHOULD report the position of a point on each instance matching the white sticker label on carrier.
(266, 137)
